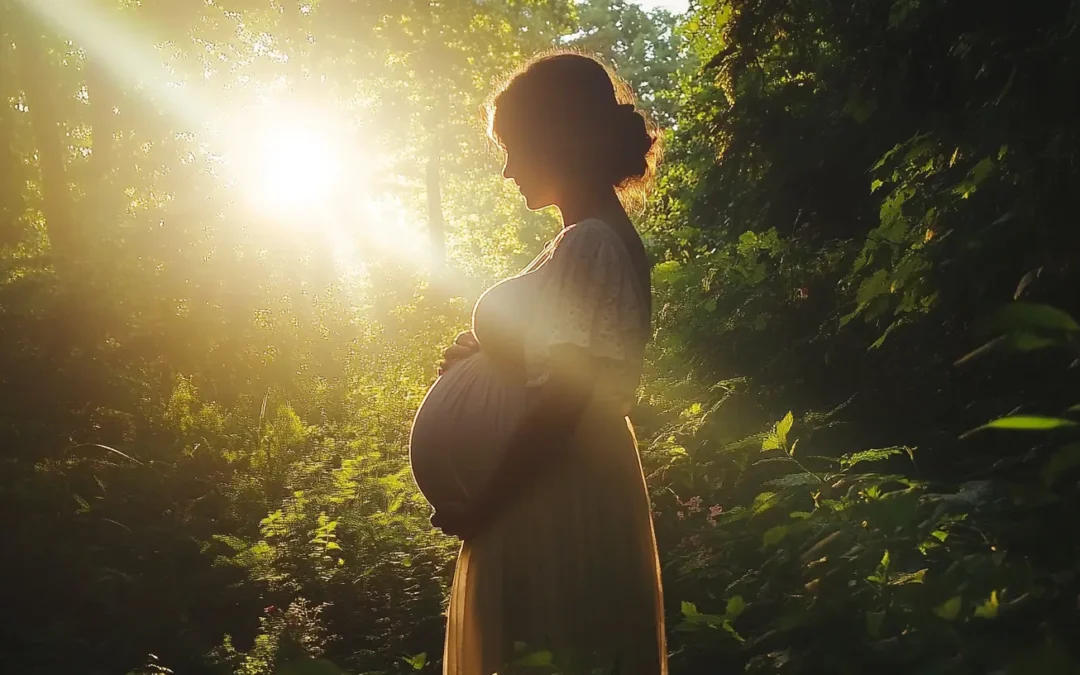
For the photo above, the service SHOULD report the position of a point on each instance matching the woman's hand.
(465, 345)
(455, 520)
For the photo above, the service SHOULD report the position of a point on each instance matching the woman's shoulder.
(587, 236)
(589, 227)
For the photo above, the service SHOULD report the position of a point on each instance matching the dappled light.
(236, 237)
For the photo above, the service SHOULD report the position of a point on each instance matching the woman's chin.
(534, 204)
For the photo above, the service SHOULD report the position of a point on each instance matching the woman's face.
(534, 174)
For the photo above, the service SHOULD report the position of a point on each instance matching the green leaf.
(783, 427)
(771, 441)
(874, 455)
(908, 578)
(988, 609)
(774, 535)
(735, 607)
(418, 661)
(882, 572)
(1024, 423)
(689, 609)
(1027, 317)
(776, 438)
(764, 502)
(1064, 459)
(695, 619)
(800, 515)
(949, 609)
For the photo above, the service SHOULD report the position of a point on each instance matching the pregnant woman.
(523, 445)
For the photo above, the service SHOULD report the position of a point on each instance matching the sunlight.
(292, 163)
(296, 168)
(306, 173)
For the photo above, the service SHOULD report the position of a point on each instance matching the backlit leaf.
(908, 578)
(735, 607)
(875, 455)
(989, 608)
(418, 661)
(771, 442)
(1025, 423)
(783, 427)
(949, 609)
(764, 502)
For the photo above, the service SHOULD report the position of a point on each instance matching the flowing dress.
(566, 579)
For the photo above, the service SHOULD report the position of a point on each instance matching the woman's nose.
(507, 172)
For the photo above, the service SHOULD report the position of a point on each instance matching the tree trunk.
(65, 238)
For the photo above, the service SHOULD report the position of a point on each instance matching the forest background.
(236, 234)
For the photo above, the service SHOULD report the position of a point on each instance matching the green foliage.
(205, 414)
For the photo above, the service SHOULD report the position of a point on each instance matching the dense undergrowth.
(860, 412)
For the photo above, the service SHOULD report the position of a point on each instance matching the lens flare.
(290, 163)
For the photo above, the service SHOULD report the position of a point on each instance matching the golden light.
(292, 161)
(307, 174)
(297, 167)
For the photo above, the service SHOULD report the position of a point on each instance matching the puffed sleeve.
(589, 299)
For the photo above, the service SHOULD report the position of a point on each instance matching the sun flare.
(291, 160)
(296, 168)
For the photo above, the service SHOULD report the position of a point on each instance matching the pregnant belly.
(461, 428)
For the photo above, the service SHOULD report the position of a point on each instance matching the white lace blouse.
(589, 295)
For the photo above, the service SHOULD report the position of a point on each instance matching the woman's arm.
(540, 440)
(465, 345)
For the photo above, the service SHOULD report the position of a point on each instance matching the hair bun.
(583, 114)
(632, 142)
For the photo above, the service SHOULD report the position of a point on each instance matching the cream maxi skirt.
(570, 568)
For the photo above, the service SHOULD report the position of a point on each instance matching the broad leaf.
(417, 661)
(988, 609)
(783, 427)
(1025, 423)
(875, 455)
(949, 609)
(765, 501)
(735, 607)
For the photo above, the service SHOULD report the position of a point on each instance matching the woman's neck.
(602, 204)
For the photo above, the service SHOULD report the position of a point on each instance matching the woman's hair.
(577, 110)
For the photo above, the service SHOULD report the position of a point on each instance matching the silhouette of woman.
(524, 446)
